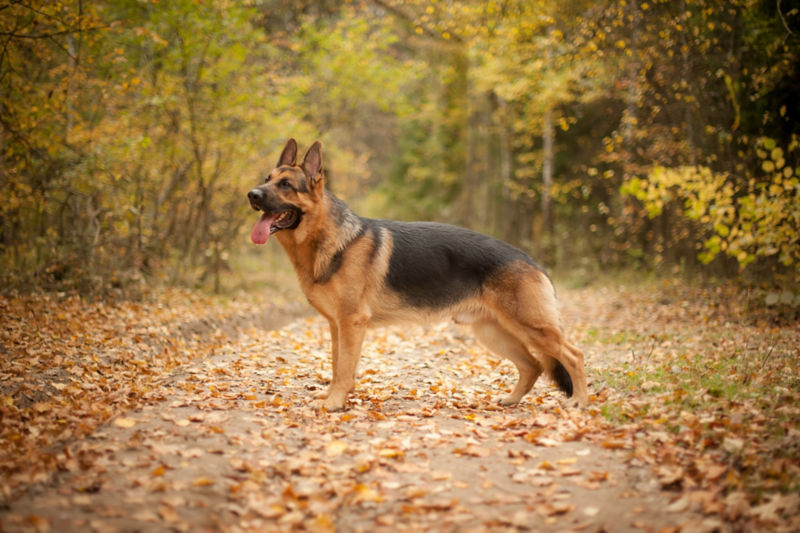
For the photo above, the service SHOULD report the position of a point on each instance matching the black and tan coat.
(360, 272)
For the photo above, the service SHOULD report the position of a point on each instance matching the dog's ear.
(312, 163)
(289, 154)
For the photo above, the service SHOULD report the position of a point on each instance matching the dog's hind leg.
(501, 342)
(525, 305)
(550, 342)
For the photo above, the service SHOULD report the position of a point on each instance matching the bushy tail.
(561, 377)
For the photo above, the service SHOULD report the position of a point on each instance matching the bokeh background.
(659, 136)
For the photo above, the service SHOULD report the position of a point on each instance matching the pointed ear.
(312, 162)
(289, 154)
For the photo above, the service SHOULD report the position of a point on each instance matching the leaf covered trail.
(233, 441)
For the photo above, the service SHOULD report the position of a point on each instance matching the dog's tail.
(560, 376)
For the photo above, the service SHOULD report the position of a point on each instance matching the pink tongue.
(260, 232)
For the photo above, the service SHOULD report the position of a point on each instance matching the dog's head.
(289, 193)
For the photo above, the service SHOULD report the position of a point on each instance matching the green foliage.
(132, 130)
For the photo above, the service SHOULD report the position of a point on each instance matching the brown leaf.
(670, 475)
(472, 450)
(614, 444)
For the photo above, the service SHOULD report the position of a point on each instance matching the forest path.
(236, 442)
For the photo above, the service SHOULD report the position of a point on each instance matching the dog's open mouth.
(269, 223)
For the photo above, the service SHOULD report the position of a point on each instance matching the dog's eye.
(284, 184)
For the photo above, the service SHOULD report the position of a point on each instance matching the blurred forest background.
(594, 134)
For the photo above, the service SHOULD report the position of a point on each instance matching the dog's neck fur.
(329, 239)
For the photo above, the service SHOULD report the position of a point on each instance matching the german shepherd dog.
(360, 272)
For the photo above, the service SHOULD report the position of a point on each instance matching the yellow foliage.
(759, 217)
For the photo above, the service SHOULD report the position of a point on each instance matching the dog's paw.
(321, 395)
(508, 401)
(577, 402)
(333, 404)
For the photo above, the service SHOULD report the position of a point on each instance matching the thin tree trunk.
(506, 174)
(548, 135)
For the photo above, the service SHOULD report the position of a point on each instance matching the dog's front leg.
(350, 336)
(334, 357)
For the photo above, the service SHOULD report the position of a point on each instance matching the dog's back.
(436, 265)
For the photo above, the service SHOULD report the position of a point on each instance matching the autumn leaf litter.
(223, 432)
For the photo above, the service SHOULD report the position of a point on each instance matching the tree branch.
(785, 24)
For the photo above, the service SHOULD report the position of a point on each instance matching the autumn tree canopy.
(656, 133)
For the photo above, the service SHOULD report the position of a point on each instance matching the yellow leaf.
(363, 493)
(391, 453)
(336, 447)
(125, 422)
(322, 523)
(202, 481)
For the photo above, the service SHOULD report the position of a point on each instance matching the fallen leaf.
(472, 450)
(168, 514)
(613, 444)
(670, 475)
(336, 447)
(125, 422)
(364, 493)
(679, 505)
(391, 453)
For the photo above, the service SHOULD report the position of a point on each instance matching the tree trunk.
(548, 135)
(548, 155)
(506, 173)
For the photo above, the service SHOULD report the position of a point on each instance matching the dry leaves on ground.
(693, 424)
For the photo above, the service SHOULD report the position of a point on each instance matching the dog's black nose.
(255, 195)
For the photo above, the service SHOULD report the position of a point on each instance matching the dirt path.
(236, 443)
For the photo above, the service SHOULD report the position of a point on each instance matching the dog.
(361, 272)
